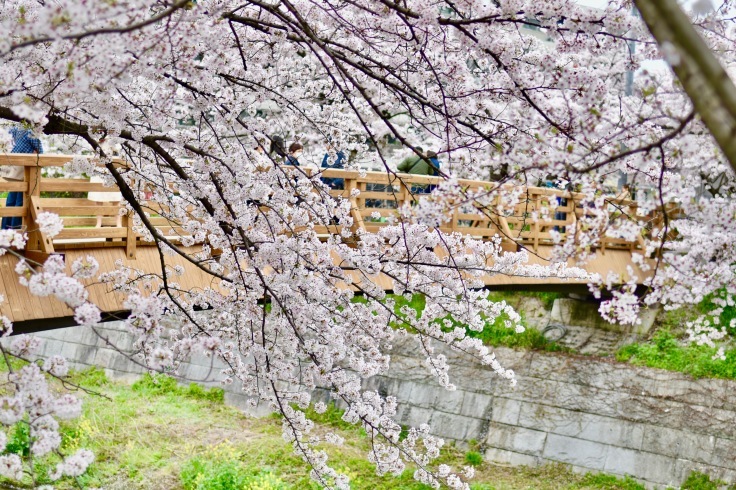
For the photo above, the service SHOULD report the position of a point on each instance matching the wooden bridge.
(380, 196)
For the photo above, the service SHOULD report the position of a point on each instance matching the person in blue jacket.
(436, 165)
(23, 142)
(333, 183)
(295, 151)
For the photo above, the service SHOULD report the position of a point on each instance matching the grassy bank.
(664, 350)
(155, 435)
(496, 333)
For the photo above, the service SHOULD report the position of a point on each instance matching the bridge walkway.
(375, 197)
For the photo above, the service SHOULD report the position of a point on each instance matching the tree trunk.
(705, 81)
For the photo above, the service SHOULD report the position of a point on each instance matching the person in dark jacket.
(334, 183)
(277, 150)
(23, 142)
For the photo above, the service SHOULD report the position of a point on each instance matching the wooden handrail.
(380, 193)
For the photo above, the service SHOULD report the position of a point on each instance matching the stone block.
(477, 429)
(68, 350)
(679, 444)
(387, 386)
(502, 456)
(85, 354)
(410, 369)
(423, 395)
(85, 336)
(449, 401)
(457, 427)
(683, 468)
(534, 312)
(581, 425)
(241, 402)
(51, 347)
(506, 411)
(724, 453)
(655, 468)
(122, 363)
(621, 461)
(477, 405)
(516, 439)
(574, 451)
(103, 357)
(56, 334)
(568, 311)
(415, 416)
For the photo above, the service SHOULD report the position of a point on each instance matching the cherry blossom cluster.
(31, 401)
(513, 92)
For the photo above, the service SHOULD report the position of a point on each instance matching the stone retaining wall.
(594, 414)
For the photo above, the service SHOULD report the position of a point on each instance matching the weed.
(494, 333)
(665, 352)
(20, 442)
(332, 417)
(700, 481)
(473, 458)
(161, 384)
(219, 468)
(92, 377)
(610, 482)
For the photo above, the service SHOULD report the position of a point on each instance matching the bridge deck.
(380, 195)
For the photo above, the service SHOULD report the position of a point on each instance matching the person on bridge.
(409, 163)
(295, 151)
(277, 151)
(419, 166)
(339, 163)
(434, 161)
(23, 142)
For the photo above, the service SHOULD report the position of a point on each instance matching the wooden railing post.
(130, 238)
(358, 223)
(33, 179)
(44, 242)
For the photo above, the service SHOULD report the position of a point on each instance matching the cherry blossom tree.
(515, 89)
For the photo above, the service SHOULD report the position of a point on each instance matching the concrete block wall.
(591, 413)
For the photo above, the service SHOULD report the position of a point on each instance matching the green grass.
(664, 351)
(701, 481)
(161, 384)
(496, 333)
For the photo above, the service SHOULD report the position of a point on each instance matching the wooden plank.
(5, 305)
(18, 211)
(91, 210)
(69, 185)
(88, 221)
(111, 232)
(14, 294)
(13, 186)
(64, 202)
(45, 160)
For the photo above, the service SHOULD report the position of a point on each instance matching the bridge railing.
(531, 219)
(374, 196)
